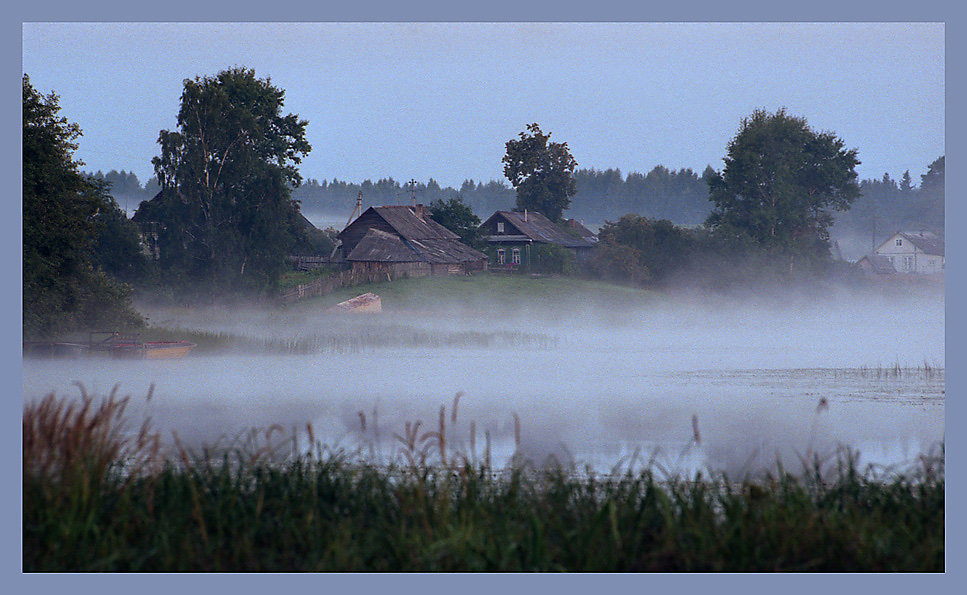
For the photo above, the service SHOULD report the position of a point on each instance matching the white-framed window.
(500, 227)
(899, 241)
(908, 263)
(515, 256)
(501, 256)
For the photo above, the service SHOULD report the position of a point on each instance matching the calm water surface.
(730, 391)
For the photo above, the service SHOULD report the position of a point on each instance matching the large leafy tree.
(541, 171)
(780, 184)
(63, 290)
(458, 217)
(225, 210)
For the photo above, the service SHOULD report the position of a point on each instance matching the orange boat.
(153, 349)
(134, 348)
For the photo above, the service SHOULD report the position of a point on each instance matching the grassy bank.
(99, 496)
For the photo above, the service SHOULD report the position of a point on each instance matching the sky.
(440, 100)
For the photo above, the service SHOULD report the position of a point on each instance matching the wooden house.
(512, 234)
(405, 241)
(914, 252)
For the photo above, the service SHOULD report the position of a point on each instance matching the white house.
(919, 252)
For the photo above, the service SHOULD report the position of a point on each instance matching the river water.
(681, 389)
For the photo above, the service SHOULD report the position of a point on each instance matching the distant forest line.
(679, 196)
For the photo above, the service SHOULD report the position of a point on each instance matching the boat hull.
(154, 350)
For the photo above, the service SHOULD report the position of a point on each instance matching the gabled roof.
(306, 224)
(410, 222)
(380, 246)
(927, 242)
(538, 228)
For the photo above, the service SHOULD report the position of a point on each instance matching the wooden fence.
(326, 285)
(309, 263)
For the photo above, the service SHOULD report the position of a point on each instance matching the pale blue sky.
(439, 100)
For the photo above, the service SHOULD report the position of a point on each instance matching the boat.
(361, 304)
(152, 349)
(114, 344)
(132, 347)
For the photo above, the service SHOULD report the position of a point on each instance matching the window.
(899, 242)
(500, 227)
(515, 256)
(501, 256)
(908, 263)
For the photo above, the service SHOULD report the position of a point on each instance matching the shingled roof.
(537, 228)
(407, 234)
(413, 223)
(379, 246)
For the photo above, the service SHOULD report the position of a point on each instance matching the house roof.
(878, 264)
(410, 222)
(306, 224)
(538, 228)
(380, 246)
(925, 241)
(578, 228)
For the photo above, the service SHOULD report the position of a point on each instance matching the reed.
(337, 339)
(257, 503)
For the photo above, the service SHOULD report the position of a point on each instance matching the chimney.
(420, 211)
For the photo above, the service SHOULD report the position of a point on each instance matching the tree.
(458, 217)
(906, 183)
(659, 247)
(226, 176)
(780, 183)
(934, 179)
(930, 204)
(117, 245)
(62, 289)
(541, 172)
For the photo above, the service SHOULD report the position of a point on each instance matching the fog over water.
(591, 383)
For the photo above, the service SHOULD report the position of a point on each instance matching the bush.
(552, 259)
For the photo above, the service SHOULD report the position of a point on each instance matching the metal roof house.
(406, 241)
(914, 252)
(513, 233)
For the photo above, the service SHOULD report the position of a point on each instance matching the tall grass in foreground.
(99, 497)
